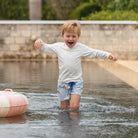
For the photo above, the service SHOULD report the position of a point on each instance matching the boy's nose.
(71, 38)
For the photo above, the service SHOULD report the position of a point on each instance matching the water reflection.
(69, 117)
(69, 122)
(14, 120)
(108, 105)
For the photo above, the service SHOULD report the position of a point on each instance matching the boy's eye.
(74, 36)
(67, 35)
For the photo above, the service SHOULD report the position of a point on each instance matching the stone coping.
(63, 21)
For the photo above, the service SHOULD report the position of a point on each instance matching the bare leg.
(74, 115)
(75, 102)
(65, 104)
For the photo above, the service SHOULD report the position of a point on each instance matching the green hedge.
(108, 15)
(14, 9)
(84, 10)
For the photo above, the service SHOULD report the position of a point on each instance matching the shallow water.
(108, 108)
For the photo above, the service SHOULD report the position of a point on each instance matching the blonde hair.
(71, 27)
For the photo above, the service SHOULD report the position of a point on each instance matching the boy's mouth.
(70, 43)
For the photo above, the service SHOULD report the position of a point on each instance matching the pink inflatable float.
(12, 103)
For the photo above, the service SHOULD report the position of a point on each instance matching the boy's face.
(70, 39)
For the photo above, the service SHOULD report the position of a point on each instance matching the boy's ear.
(62, 35)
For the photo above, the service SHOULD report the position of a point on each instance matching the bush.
(108, 15)
(84, 10)
(123, 5)
(14, 9)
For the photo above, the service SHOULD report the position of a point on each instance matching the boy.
(69, 53)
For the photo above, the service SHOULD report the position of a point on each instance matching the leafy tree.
(108, 15)
(62, 9)
(84, 10)
(46, 12)
(102, 3)
(14, 10)
(123, 5)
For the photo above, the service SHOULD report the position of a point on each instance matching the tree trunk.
(35, 9)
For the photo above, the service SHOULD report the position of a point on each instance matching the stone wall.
(17, 37)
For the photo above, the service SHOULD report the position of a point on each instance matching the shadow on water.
(108, 106)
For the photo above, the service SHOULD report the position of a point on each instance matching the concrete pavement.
(126, 70)
(131, 64)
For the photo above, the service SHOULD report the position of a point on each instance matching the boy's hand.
(38, 44)
(112, 57)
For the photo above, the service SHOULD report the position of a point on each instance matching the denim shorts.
(66, 89)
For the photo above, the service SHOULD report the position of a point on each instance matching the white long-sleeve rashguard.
(69, 59)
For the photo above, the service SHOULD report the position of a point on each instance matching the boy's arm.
(49, 48)
(94, 53)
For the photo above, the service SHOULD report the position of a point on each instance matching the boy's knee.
(74, 107)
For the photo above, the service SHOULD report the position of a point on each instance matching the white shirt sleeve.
(49, 48)
(93, 53)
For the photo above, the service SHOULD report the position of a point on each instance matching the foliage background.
(72, 9)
